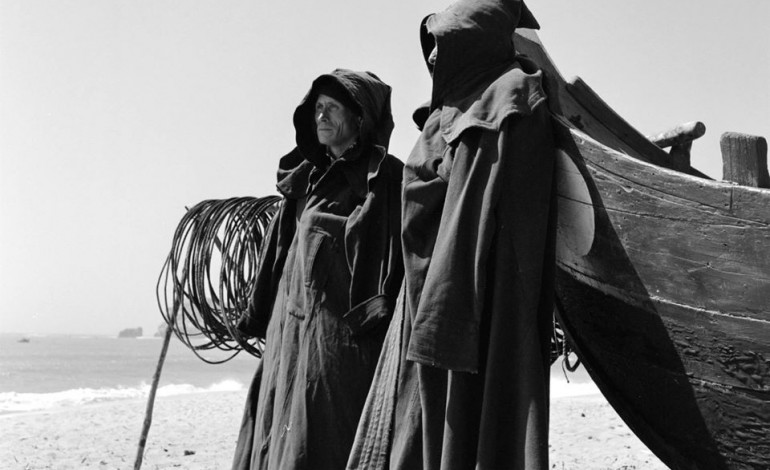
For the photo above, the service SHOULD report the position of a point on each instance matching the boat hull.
(663, 299)
(663, 288)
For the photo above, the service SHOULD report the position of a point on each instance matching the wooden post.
(680, 134)
(151, 400)
(680, 156)
(680, 140)
(744, 159)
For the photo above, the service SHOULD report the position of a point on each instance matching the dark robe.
(325, 289)
(470, 390)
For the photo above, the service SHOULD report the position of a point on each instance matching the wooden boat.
(663, 284)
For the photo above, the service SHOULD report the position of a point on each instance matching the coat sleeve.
(373, 250)
(446, 326)
(273, 253)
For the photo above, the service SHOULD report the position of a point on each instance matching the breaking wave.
(14, 402)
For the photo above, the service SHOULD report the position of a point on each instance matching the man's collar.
(350, 153)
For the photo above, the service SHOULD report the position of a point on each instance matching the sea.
(50, 372)
(47, 372)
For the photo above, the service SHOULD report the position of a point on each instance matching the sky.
(117, 114)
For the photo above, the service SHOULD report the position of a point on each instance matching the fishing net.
(209, 274)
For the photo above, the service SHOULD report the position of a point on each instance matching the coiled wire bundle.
(209, 274)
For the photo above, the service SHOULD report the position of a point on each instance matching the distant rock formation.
(161, 332)
(130, 333)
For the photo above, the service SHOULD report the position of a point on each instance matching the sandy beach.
(586, 433)
(198, 432)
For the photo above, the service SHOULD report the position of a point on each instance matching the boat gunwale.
(732, 189)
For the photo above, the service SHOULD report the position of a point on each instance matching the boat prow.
(663, 284)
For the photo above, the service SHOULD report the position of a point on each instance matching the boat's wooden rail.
(744, 156)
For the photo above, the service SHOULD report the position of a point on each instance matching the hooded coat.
(471, 332)
(329, 275)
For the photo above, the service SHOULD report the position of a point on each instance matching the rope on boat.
(210, 272)
(566, 362)
(560, 346)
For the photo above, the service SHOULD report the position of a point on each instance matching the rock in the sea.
(130, 333)
(161, 330)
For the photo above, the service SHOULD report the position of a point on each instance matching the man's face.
(336, 125)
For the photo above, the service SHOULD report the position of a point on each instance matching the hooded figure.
(328, 277)
(470, 338)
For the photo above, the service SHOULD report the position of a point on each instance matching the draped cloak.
(328, 277)
(463, 378)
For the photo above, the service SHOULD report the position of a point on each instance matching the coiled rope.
(209, 274)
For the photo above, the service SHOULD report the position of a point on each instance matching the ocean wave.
(13, 402)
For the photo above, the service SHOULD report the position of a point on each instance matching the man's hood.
(370, 94)
(372, 98)
(475, 44)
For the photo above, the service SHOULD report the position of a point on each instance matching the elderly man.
(327, 280)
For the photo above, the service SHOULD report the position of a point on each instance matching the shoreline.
(198, 431)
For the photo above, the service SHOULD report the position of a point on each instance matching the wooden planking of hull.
(663, 285)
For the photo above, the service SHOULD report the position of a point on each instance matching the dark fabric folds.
(478, 234)
(368, 314)
(373, 442)
(325, 290)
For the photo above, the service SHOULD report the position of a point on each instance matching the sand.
(586, 433)
(198, 432)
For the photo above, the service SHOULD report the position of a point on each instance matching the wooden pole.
(744, 159)
(680, 140)
(151, 400)
(156, 376)
(680, 156)
(681, 134)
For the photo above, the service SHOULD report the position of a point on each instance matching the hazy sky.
(116, 114)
